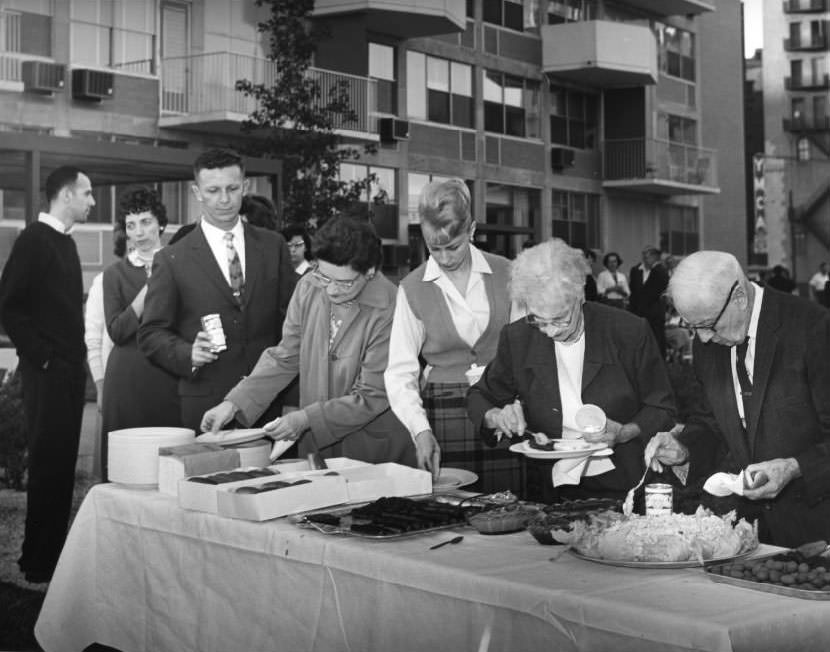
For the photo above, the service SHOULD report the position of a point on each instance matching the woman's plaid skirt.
(497, 468)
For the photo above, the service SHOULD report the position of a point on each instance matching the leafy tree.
(295, 123)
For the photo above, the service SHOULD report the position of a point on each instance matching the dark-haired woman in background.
(612, 286)
(299, 244)
(337, 332)
(136, 392)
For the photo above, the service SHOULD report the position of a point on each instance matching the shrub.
(12, 431)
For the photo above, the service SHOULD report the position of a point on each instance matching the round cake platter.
(657, 565)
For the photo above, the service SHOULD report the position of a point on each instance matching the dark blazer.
(789, 415)
(646, 298)
(622, 373)
(186, 284)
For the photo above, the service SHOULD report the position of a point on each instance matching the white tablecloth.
(139, 573)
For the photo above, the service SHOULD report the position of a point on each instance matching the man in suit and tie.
(648, 282)
(762, 359)
(225, 267)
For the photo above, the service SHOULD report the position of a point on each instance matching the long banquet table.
(139, 573)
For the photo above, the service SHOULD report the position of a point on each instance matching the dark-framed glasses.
(325, 281)
(712, 327)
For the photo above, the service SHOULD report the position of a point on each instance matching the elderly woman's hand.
(508, 420)
(614, 433)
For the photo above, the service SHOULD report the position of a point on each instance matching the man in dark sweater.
(41, 308)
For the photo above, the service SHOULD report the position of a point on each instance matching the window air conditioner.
(392, 129)
(562, 157)
(43, 77)
(92, 85)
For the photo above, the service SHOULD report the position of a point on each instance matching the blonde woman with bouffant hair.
(449, 313)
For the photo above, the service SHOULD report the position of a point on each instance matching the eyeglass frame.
(712, 328)
(544, 322)
(295, 245)
(325, 281)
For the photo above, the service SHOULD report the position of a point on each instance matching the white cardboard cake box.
(177, 462)
(202, 497)
(317, 492)
(371, 482)
(363, 483)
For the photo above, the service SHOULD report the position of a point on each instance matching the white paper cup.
(590, 419)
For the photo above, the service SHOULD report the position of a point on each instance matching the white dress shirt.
(216, 241)
(52, 221)
(749, 359)
(470, 315)
(570, 359)
(98, 342)
(302, 267)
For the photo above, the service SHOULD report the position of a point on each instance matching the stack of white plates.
(133, 453)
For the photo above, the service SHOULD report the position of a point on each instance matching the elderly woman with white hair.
(566, 353)
(449, 313)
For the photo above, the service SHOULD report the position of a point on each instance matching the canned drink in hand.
(659, 499)
(212, 325)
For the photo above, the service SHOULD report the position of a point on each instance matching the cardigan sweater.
(444, 350)
(41, 297)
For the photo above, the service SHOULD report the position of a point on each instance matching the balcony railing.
(805, 123)
(661, 160)
(129, 50)
(804, 6)
(206, 84)
(809, 42)
(15, 49)
(819, 82)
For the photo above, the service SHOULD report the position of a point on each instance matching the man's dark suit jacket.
(646, 299)
(186, 284)
(789, 415)
(622, 373)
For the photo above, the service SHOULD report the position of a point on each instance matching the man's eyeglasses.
(325, 281)
(711, 328)
(296, 245)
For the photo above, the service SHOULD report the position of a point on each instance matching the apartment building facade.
(612, 124)
(796, 153)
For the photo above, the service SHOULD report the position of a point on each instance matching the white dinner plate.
(596, 450)
(226, 437)
(450, 478)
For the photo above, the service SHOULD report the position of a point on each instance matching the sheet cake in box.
(178, 462)
(267, 498)
(199, 492)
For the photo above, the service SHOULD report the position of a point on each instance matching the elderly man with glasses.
(566, 353)
(762, 359)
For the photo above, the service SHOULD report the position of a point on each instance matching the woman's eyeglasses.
(325, 281)
(549, 322)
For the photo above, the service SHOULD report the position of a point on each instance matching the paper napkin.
(571, 470)
(723, 484)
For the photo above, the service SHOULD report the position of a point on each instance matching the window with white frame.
(676, 51)
(511, 105)
(113, 34)
(382, 69)
(679, 229)
(574, 119)
(380, 202)
(439, 90)
(575, 218)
